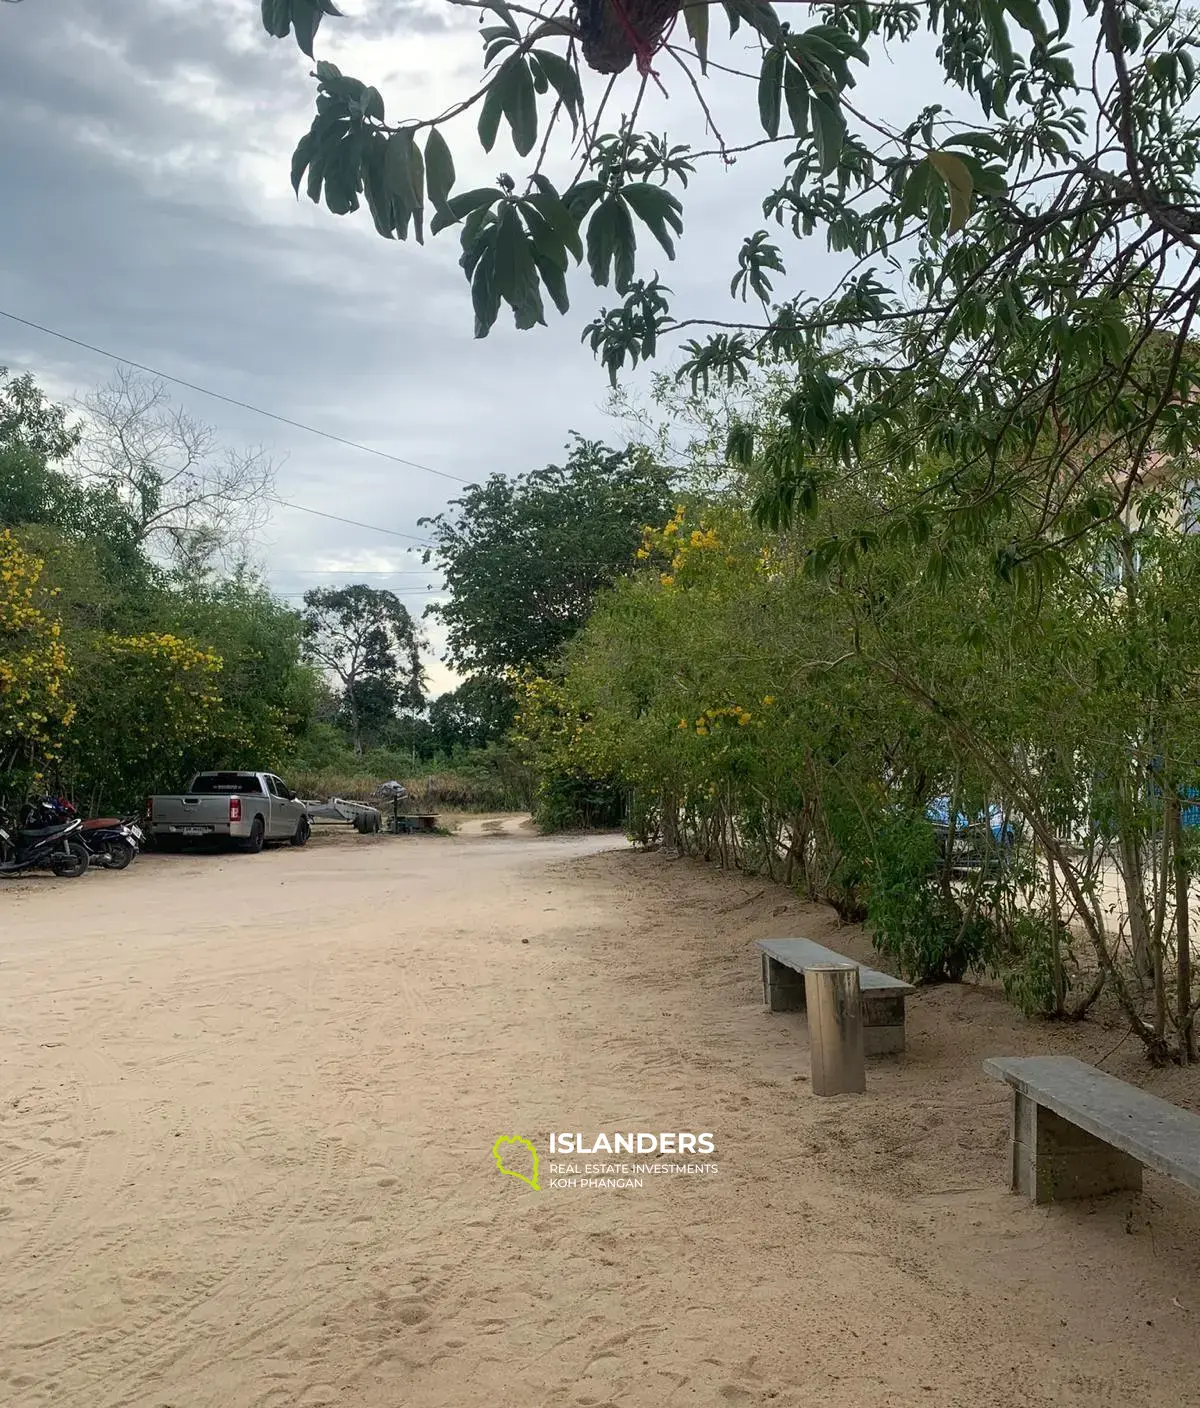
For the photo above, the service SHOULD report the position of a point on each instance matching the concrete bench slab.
(783, 965)
(1078, 1132)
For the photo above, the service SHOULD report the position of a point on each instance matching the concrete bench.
(1078, 1132)
(783, 965)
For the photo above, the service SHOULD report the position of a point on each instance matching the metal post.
(835, 1029)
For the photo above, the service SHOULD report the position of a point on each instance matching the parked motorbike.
(36, 843)
(112, 842)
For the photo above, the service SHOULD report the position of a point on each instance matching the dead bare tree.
(195, 503)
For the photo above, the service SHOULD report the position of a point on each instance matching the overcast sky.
(147, 210)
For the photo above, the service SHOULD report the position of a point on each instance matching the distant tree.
(366, 639)
(30, 422)
(524, 558)
(37, 491)
(411, 734)
(192, 500)
(480, 711)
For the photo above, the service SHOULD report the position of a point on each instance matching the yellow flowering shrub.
(34, 709)
(674, 547)
(154, 698)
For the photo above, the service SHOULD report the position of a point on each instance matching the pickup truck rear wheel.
(258, 835)
(303, 831)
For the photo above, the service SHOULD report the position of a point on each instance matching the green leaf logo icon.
(502, 1146)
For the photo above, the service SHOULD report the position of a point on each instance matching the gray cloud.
(148, 210)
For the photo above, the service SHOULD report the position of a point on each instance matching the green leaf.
(461, 206)
(1062, 13)
(770, 91)
(696, 19)
(474, 245)
(399, 169)
(520, 106)
(916, 190)
(439, 168)
(375, 187)
(957, 176)
(1029, 17)
(829, 131)
(565, 81)
(545, 241)
(373, 104)
(276, 18)
(656, 208)
(493, 110)
(301, 157)
(416, 164)
(505, 14)
(580, 198)
(516, 273)
(555, 281)
(758, 14)
(328, 140)
(601, 242)
(305, 19)
(624, 246)
(795, 92)
(977, 141)
(342, 173)
(997, 33)
(485, 295)
(558, 215)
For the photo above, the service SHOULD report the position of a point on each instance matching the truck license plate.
(194, 830)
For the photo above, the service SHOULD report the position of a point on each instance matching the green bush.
(572, 802)
(916, 919)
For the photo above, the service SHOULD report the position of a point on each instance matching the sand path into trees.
(247, 1106)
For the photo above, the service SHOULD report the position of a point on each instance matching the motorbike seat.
(97, 823)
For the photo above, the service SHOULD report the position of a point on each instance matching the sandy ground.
(247, 1107)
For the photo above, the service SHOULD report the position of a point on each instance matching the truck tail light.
(235, 809)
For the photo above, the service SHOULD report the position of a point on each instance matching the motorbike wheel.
(118, 854)
(70, 867)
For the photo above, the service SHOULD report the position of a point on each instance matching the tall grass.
(487, 780)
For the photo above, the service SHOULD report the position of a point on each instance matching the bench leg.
(783, 988)
(883, 1023)
(1053, 1160)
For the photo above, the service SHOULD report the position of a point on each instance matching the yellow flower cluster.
(673, 540)
(33, 659)
(180, 672)
(712, 719)
(550, 722)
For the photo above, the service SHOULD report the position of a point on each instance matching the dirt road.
(247, 1106)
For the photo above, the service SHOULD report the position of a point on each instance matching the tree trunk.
(1135, 899)
(670, 823)
(1056, 964)
(355, 726)
(1183, 937)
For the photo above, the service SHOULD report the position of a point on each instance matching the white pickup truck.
(249, 808)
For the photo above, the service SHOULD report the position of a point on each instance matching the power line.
(403, 591)
(353, 522)
(352, 571)
(232, 401)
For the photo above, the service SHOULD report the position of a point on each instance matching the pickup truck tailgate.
(206, 814)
